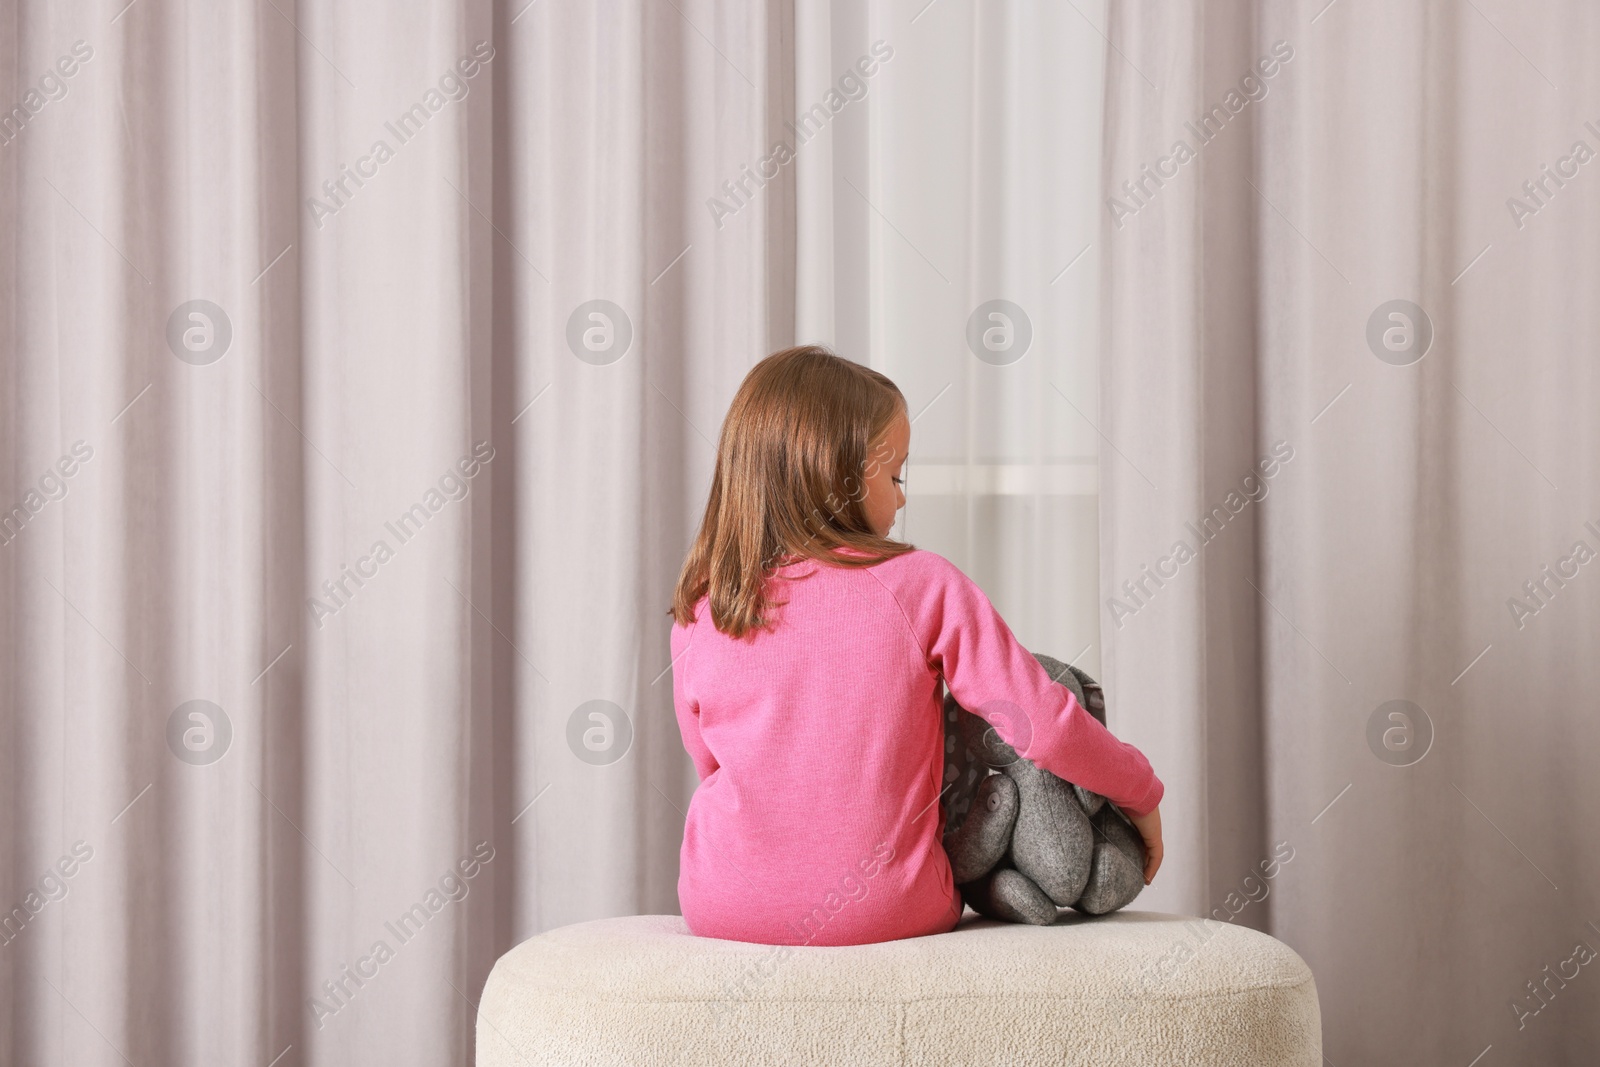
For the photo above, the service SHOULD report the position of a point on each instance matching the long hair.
(789, 482)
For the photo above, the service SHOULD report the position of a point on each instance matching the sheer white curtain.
(964, 185)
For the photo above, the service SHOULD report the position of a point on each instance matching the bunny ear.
(1060, 672)
(1085, 689)
(963, 772)
(1093, 697)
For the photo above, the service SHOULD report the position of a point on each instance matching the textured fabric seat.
(1129, 988)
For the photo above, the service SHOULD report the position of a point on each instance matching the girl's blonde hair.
(794, 450)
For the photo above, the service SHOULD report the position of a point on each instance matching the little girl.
(808, 650)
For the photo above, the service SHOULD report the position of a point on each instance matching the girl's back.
(820, 747)
(808, 648)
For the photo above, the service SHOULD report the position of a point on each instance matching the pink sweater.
(819, 746)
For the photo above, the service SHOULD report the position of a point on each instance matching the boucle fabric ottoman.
(1128, 988)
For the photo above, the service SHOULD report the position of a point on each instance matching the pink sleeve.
(992, 675)
(687, 707)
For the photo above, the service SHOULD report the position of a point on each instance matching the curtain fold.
(362, 373)
(360, 381)
(1361, 277)
(362, 378)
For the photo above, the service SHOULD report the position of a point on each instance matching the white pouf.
(1129, 988)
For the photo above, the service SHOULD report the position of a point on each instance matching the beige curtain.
(360, 372)
(1349, 522)
(360, 377)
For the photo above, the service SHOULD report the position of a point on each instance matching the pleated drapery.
(363, 334)
(362, 374)
(1351, 289)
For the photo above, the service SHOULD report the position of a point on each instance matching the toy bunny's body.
(1022, 842)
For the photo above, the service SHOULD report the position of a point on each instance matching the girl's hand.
(1149, 827)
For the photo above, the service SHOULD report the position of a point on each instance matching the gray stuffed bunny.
(1023, 842)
